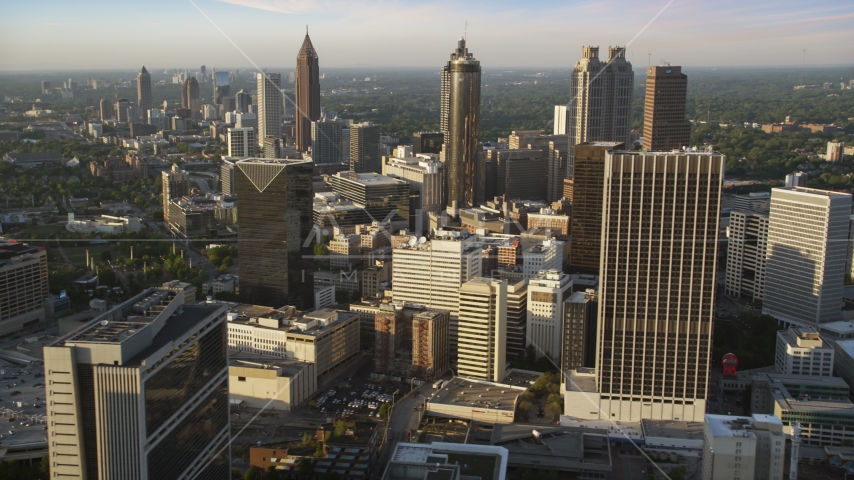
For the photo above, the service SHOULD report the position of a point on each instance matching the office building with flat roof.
(424, 175)
(579, 331)
(802, 351)
(176, 184)
(269, 105)
(365, 156)
(746, 254)
(748, 448)
(270, 384)
(806, 256)
(275, 226)
(517, 317)
(427, 142)
(664, 124)
(547, 290)
(23, 286)
(326, 142)
(241, 142)
(141, 392)
(385, 199)
(482, 329)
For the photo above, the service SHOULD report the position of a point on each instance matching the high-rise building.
(122, 110)
(546, 293)
(385, 199)
(203, 72)
(23, 286)
(807, 247)
(307, 93)
(226, 175)
(275, 225)
(517, 317)
(482, 330)
(520, 173)
(557, 155)
(431, 354)
(190, 95)
(431, 273)
(176, 184)
(746, 254)
(326, 142)
(241, 142)
(424, 176)
(544, 256)
(143, 90)
(579, 331)
(365, 148)
(835, 151)
(221, 86)
(657, 284)
(106, 109)
(269, 105)
(586, 198)
(242, 100)
(427, 142)
(460, 122)
(391, 335)
(665, 127)
(141, 392)
(45, 87)
(601, 102)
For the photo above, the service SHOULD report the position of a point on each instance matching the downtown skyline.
(546, 35)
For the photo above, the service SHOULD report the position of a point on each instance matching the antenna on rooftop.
(803, 65)
(466, 31)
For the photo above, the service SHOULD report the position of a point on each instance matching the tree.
(157, 215)
(340, 428)
(553, 410)
(320, 250)
(251, 474)
(305, 469)
(525, 406)
(227, 262)
(678, 473)
(106, 256)
(384, 410)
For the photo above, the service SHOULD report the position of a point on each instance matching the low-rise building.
(324, 297)
(376, 279)
(446, 461)
(550, 220)
(326, 337)
(545, 256)
(222, 283)
(344, 250)
(475, 400)
(103, 224)
(270, 384)
(569, 451)
(802, 351)
(208, 216)
(743, 447)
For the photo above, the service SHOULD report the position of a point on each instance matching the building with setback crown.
(807, 247)
(601, 101)
(659, 254)
(143, 91)
(460, 123)
(269, 106)
(23, 285)
(275, 225)
(141, 392)
(307, 93)
(664, 124)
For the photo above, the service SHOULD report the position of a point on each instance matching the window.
(241, 379)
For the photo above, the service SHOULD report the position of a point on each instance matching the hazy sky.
(61, 34)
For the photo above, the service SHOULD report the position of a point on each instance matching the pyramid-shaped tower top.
(143, 70)
(307, 49)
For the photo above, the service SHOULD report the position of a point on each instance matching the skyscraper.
(326, 142)
(242, 100)
(106, 109)
(23, 286)
(141, 392)
(482, 332)
(221, 86)
(664, 124)
(143, 90)
(460, 122)
(307, 93)
(586, 198)
(365, 148)
(746, 254)
(601, 102)
(190, 95)
(657, 284)
(176, 184)
(807, 246)
(427, 142)
(226, 173)
(203, 71)
(275, 225)
(546, 293)
(269, 105)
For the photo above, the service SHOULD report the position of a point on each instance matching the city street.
(403, 418)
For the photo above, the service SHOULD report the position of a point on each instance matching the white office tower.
(544, 330)
(806, 257)
(270, 108)
(746, 254)
(241, 142)
(482, 329)
(746, 448)
(141, 392)
(430, 273)
(423, 173)
(802, 351)
(547, 255)
(600, 105)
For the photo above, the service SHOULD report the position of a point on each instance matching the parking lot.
(354, 400)
(22, 405)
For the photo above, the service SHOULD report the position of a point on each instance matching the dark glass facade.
(86, 384)
(384, 198)
(427, 142)
(169, 389)
(462, 136)
(276, 201)
(176, 451)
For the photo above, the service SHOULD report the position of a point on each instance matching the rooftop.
(729, 426)
(369, 178)
(274, 161)
(462, 391)
(288, 318)
(143, 310)
(673, 429)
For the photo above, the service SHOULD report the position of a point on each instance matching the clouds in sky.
(501, 33)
